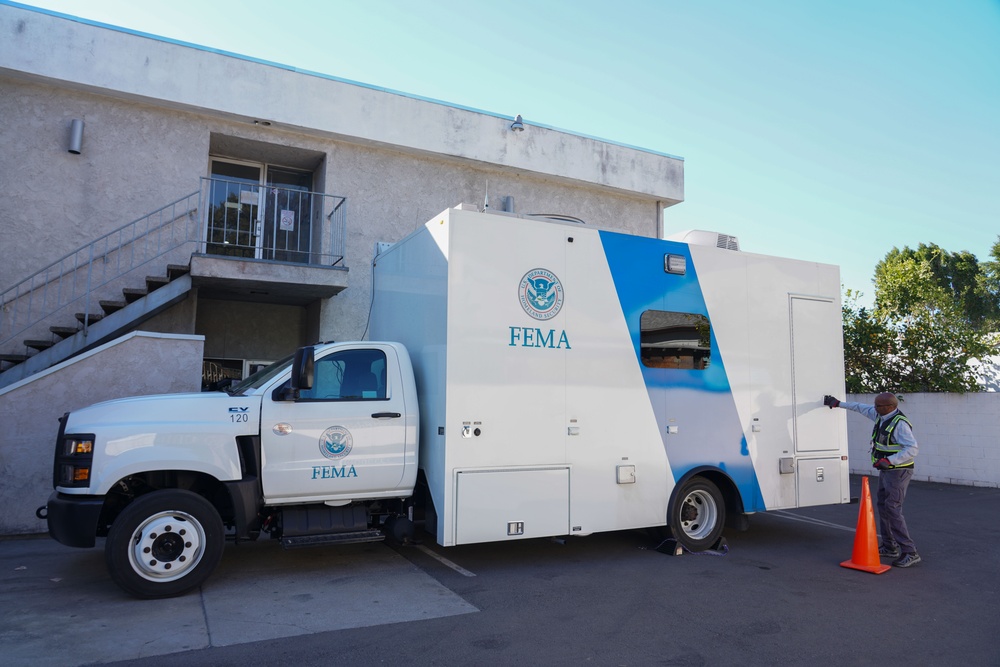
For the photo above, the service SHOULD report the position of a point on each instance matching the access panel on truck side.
(819, 481)
(495, 505)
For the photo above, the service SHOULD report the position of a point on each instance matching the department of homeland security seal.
(336, 442)
(541, 294)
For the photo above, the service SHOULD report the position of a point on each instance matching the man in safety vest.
(893, 449)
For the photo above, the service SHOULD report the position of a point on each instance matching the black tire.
(697, 514)
(164, 544)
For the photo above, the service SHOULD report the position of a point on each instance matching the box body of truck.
(574, 380)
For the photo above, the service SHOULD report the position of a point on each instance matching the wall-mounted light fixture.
(76, 136)
(518, 124)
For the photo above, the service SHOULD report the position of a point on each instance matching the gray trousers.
(892, 485)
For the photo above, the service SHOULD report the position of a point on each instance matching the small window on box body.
(675, 340)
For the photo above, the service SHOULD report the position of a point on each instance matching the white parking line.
(444, 561)
(818, 522)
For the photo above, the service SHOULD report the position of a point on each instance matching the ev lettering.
(333, 472)
(532, 337)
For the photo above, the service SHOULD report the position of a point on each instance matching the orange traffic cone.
(865, 556)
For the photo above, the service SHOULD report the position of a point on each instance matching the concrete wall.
(239, 330)
(137, 158)
(957, 434)
(30, 409)
(131, 65)
(154, 110)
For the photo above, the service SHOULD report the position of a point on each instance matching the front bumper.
(73, 519)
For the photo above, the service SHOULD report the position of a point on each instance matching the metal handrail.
(73, 279)
(171, 234)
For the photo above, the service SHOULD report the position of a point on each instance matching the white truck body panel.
(540, 413)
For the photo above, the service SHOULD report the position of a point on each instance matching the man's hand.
(831, 401)
(883, 464)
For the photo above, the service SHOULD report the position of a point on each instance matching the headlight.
(79, 446)
(73, 461)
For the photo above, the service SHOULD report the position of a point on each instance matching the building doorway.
(260, 211)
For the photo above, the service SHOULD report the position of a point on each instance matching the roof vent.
(701, 237)
(558, 217)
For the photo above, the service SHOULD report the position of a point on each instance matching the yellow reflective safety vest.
(882, 444)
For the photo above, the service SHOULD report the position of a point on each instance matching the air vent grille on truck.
(727, 242)
(701, 237)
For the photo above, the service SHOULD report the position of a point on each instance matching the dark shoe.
(888, 552)
(907, 560)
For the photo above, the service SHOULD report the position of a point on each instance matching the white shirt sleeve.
(861, 408)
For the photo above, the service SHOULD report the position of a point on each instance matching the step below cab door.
(342, 439)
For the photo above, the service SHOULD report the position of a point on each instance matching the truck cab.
(319, 447)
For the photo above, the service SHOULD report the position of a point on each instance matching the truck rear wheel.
(165, 543)
(697, 515)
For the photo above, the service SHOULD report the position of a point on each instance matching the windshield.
(261, 377)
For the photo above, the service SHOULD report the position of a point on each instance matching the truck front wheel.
(164, 543)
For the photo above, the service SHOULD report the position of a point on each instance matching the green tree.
(868, 344)
(934, 312)
(990, 279)
(908, 281)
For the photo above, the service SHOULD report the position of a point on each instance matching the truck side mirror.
(284, 392)
(303, 368)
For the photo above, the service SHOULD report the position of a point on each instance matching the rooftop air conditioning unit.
(701, 237)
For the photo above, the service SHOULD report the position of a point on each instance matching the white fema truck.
(545, 378)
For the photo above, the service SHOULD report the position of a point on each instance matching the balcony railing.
(272, 223)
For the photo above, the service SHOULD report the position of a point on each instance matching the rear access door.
(820, 472)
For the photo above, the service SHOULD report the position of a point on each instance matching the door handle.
(385, 415)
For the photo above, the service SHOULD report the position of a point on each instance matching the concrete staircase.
(116, 317)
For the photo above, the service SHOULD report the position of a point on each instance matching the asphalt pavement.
(59, 607)
(777, 596)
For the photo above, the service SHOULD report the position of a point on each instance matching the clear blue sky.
(828, 130)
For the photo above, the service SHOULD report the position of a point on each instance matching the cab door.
(342, 439)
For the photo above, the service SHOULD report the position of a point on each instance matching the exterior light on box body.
(675, 264)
